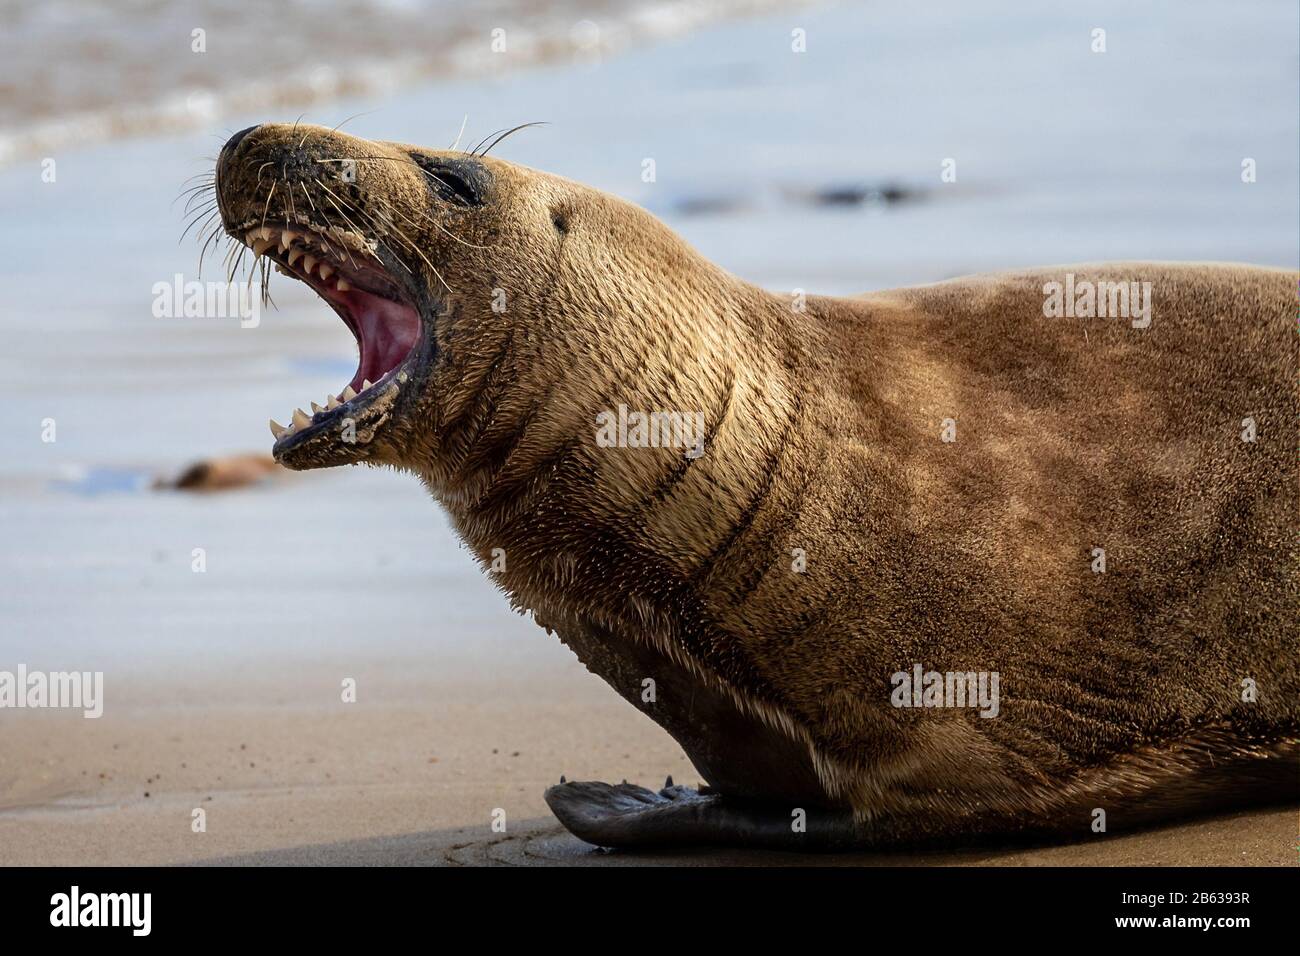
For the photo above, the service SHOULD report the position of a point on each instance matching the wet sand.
(411, 774)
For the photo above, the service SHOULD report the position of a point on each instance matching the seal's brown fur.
(1121, 689)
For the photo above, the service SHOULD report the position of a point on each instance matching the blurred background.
(799, 145)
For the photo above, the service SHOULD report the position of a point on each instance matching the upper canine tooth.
(261, 245)
(308, 264)
(326, 271)
(295, 255)
(300, 419)
(277, 429)
(286, 238)
(344, 285)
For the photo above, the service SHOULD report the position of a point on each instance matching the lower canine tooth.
(300, 419)
(366, 384)
(308, 264)
(326, 271)
(294, 255)
(277, 429)
(316, 408)
(344, 285)
(332, 402)
(348, 394)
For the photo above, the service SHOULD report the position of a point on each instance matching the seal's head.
(424, 254)
(498, 309)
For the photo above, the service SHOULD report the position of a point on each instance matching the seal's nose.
(234, 140)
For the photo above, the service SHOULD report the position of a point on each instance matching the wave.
(96, 71)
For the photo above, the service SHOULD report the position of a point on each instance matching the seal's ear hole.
(560, 220)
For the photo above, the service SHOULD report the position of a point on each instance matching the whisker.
(195, 221)
(197, 197)
(509, 132)
(463, 122)
(406, 161)
(266, 208)
(352, 117)
(380, 231)
(350, 223)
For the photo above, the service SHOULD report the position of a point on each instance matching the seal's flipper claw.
(624, 815)
(627, 816)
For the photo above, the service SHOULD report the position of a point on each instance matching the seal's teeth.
(295, 255)
(286, 238)
(282, 270)
(308, 264)
(331, 402)
(348, 394)
(277, 429)
(261, 245)
(316, 408)
(366, 384)
(326, 271)
(300, 419)
(344, 285)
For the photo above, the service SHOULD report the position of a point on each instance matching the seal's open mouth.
(343, 271)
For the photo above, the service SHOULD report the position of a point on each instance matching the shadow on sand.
(1257, 837)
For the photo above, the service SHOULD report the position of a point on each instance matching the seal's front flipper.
(627, 816)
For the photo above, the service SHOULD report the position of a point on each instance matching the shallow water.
(1062, 155)
(76, 71)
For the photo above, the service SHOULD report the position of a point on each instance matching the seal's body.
(1084, 523)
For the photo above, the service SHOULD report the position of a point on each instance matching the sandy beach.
(411, 775)
(223, 687)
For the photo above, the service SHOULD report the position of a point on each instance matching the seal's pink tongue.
(386, 332)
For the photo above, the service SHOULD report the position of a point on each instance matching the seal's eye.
(457, 182)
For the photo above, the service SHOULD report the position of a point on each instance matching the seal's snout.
(305, 155)
(308, 203)
(233, 143)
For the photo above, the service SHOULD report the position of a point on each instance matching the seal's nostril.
(234, 140)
